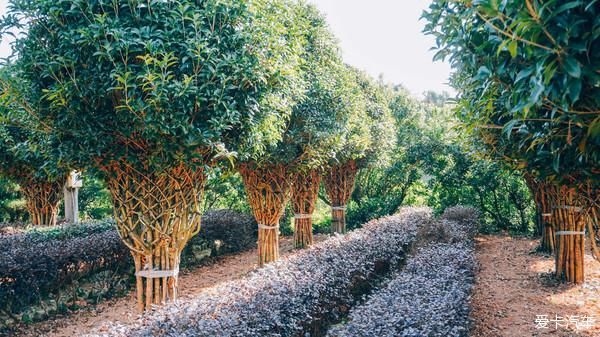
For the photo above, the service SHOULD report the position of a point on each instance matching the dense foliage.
(434, 164)
(168, 77)
(529, 70)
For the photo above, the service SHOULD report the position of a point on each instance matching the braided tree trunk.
(533, 185)
(42, 199)
(548, 242)
(305, 189)
(594, 230)
(268, 191)
(591, 201)
(339, 183)
(569, 220)
(156, 215)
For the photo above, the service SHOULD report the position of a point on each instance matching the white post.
(71, 192)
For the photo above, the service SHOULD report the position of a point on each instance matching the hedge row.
(49, 271)
(296, 296)
(430, 297)
(34, 235)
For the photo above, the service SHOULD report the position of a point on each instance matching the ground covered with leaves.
(514, 286)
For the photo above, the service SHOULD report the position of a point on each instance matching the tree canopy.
(25, 154)
(154, 83)
(528, 70)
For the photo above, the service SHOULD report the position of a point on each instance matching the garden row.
(299, 295)
(48, 271)
(430, 297)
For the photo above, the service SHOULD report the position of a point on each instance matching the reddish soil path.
(122, 310)
(513, 286)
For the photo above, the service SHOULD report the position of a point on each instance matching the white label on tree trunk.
(157, 273)
(569, 233)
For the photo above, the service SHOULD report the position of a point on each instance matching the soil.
(514, 285)
(123, 310)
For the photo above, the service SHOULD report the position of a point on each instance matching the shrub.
(429, 298)
(31, 272)
(221, 232)
(38, 234)
(51, 264)
(461, 214)
(295, 296)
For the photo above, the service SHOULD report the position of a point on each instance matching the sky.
(384, 37)
(380, 37)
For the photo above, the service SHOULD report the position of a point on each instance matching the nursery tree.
(316, 123)
(145, 92)
(369, 137)
(25, 155)
(530, 70)
(263, 168)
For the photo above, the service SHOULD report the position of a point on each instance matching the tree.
(25, 156)
(264, 170)
(316, 124)
(368, 142)
(530, 71)
(381, 189)
(147, 92)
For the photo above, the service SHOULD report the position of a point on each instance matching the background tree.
(368, 142)
(315, 127)
(264, 169)
(25, 155)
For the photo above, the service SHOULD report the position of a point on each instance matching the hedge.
(296, 296)
(34, 235)
(51, 270)
(430, 297)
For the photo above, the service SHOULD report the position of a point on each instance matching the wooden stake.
(568, 217)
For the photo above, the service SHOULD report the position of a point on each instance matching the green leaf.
(594, 130)
(523, 74)
(512, 48)
(574, 90)
(566, 7)
(572, 67)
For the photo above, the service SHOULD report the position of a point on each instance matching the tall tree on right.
(529, 73)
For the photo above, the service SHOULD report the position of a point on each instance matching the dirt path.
(514, 286)
(122, 309)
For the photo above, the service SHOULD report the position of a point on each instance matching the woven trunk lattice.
(268, 190)
(591, 203)
(305, 189)
(569, 222)
(339, 183)
(542, 198)
(42, 199)
(156, 215)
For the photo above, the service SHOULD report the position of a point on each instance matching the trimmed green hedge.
(53, 270)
